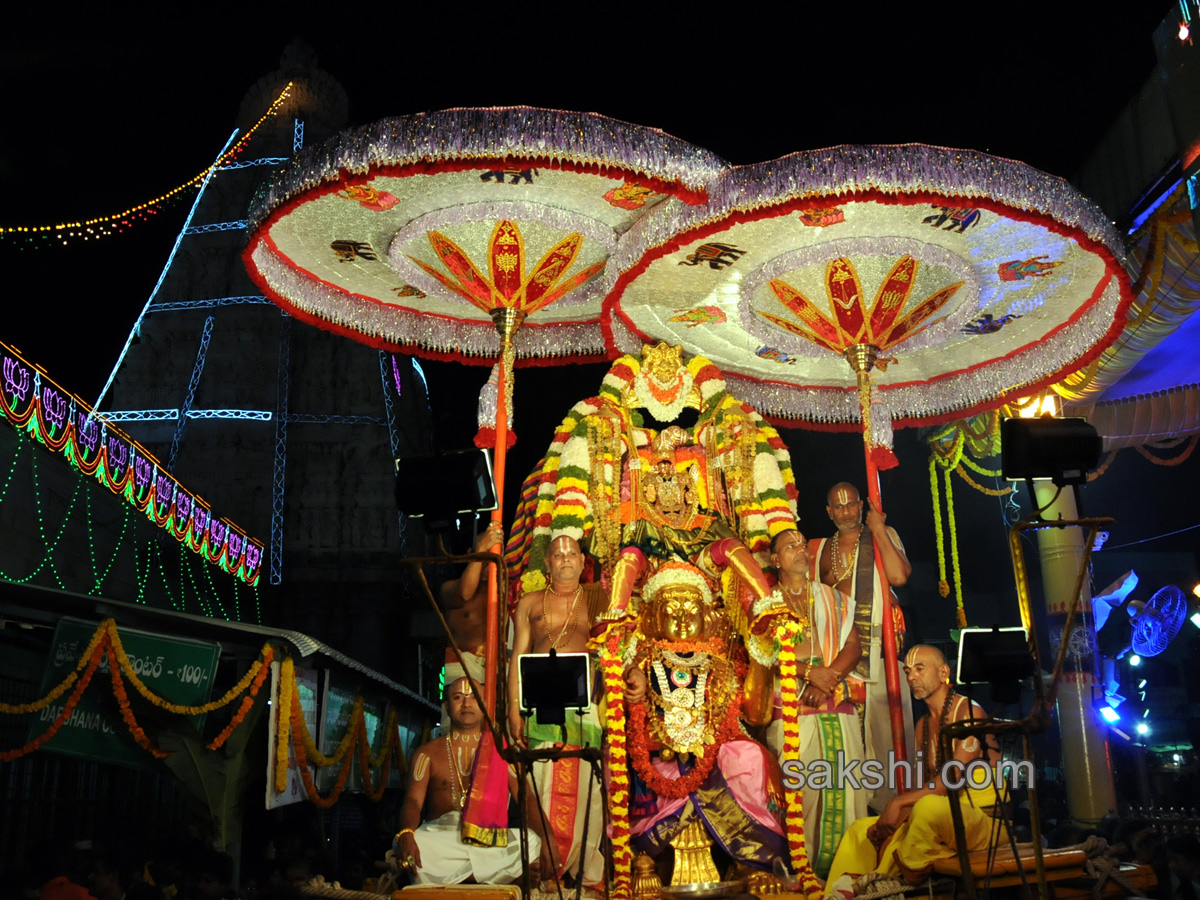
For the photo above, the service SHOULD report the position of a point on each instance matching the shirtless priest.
(450, 847)
(559, 618)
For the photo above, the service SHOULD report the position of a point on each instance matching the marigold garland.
(264, 666)
(789, 634)
(618, 768)
(93, 662)
(232, 694)
(139, 735)
(293, 731)
(297, 722)
(1172, 461)
(287, 681)
(991, 492)
(958, 591)
(939, 537)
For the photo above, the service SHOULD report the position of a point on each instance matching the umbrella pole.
(862, 358)
(507, 321)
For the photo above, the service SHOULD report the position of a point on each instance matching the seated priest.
(464, 794)
(916, 829)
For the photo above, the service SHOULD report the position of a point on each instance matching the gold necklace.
(570, 620)
(835, 558)
(458, 790)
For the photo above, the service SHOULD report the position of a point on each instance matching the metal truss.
(314, 419)
(389, 407)
(261, 161)
(280, 470)
(215, 226)
(177, 305)
(298, 136)
(197, 369)
(248, 415)
(139, 415)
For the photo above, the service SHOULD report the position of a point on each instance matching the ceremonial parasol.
(440, 233)
(949, 280)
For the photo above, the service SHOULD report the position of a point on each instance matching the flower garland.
(298, 727)
(293, 730)
(618, 767)
(93, 662)
(287, 680)
(263, 666)
(252, 674)
(139, 735)
(679, 787)
(958, 591)
(61, 688)
(788, 633)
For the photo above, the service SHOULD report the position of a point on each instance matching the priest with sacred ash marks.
(558, 618)
(464, 794)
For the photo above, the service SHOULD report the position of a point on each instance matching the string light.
(103, 226)
(38, 408)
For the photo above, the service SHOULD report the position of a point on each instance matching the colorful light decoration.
(38, 407)
(103, 226)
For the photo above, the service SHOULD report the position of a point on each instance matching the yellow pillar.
(1087, 764)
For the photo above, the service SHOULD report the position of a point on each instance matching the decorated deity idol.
(664, 464)
(694, 777)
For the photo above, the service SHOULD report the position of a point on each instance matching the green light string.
(12, 468)
(116, 551)
(201, 601)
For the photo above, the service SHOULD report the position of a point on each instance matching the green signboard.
(178, 670)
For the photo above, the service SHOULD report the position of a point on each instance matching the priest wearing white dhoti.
(462, 786)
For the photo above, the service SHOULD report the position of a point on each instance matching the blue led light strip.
(280, 469)
(177, 305)
(193, 382)
(137, 325)
(215, 227)
(386, 362)
(298, 136)
(261, 161)
(139, 415)
(248, 415)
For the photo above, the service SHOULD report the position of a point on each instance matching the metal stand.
(1039, 717)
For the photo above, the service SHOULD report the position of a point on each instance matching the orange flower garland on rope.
(298, 727)
(287, 682)
(264, 666)
(788, 634)
(92, 663)
(252, 674)
(618, 767)
(293, 731)
(139, 735)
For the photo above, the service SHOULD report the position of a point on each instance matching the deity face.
(662, 362)
(666, 468)
(845, 509)
(791, 554)
(681, 612)
(461, 706)
(565, 560)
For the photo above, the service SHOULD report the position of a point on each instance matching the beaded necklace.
(570, 620)
(835, 558)
(458, 790)
(932, 750)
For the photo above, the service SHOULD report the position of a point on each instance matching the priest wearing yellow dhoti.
(915, 828)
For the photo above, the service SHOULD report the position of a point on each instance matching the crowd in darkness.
(180, 867)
